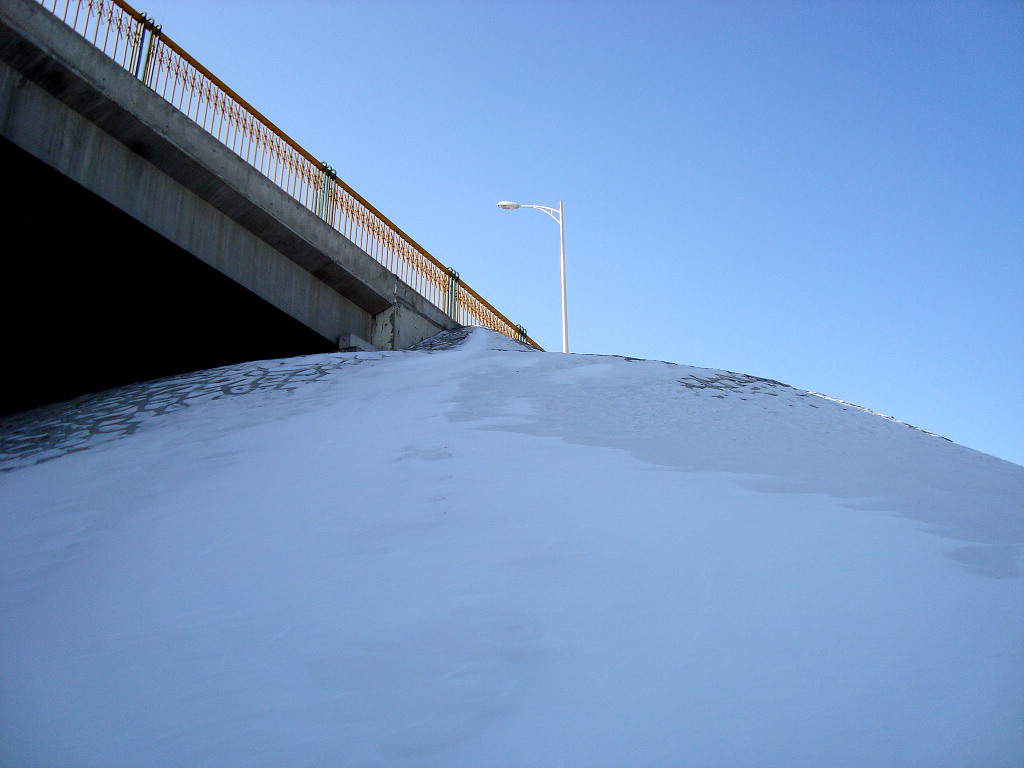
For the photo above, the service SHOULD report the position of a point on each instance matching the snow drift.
(475, 554)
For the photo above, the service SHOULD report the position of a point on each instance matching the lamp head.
(507, 205)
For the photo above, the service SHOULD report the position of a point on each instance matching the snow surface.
(480, 555)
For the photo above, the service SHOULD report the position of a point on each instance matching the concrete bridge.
(143, 242)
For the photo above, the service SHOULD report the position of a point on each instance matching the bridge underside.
(95, 299)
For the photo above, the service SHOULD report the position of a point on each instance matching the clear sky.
(830, 194)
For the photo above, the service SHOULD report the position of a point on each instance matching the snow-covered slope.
(480, 555)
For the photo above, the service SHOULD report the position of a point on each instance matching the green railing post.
(141, 60)
(453, 294)
(521, 332)
(323, 199)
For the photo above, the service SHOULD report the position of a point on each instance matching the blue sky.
(829, 194)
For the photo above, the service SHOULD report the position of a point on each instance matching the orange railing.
(138, 44)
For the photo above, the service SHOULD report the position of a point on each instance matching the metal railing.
(137, 43)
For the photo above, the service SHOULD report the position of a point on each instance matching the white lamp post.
(556, 214)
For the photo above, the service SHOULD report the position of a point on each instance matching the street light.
(556, 214)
